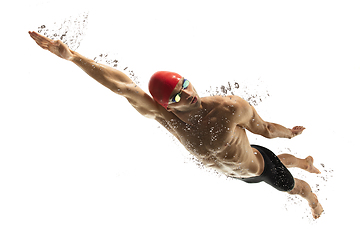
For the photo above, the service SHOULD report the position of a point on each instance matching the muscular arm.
(107, 76)
(267, 129)
(111, 78)
(248, 118)
(119, 83)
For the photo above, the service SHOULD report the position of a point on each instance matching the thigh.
(275, 173)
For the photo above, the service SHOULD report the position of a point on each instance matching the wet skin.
(213, 128)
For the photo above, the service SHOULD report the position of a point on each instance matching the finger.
(39, 38)
(36, 38)
(32, 35)
(42, 45)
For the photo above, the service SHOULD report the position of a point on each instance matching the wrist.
(74, 56)
(78, 59)
(290, 134)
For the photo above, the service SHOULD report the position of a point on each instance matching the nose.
(187, 93)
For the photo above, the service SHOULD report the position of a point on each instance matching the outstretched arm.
(248, 118)
(271, 130)
(111, 78)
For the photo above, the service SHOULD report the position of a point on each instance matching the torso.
(217, 141)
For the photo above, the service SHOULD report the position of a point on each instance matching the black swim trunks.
(275, 173)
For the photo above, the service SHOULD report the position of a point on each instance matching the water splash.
(71, 31)
(318, 184)
(112, 60)
(252, 91)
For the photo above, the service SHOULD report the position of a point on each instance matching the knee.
(300, 188)
(296, 189)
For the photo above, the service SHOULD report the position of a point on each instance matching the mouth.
(194, 100)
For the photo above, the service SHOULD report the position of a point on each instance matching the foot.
(317, 211)
(310, 165)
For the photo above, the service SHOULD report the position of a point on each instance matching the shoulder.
(221, 101)
(241, 111)
(235, 103)
(141, 101)
(230, 102)
(231, 107)
(238, 101)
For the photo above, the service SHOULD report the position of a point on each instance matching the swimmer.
(211, 128)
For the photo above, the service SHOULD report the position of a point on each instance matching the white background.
(77, 162)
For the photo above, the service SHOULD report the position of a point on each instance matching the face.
(184, 97)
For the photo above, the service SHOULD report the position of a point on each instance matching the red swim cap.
(161, 85)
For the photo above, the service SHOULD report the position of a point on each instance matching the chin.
(197, 104)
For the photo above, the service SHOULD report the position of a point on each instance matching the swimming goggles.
(177, 97)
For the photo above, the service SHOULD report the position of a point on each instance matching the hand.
(297, 130)
(55, 46)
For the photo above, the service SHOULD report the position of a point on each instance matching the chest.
(210, 135)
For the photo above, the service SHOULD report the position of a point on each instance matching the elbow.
(269, 130)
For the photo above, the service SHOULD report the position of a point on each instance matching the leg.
(303, 189)
(306, 164)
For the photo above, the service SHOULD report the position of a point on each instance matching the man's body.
(211, 128)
